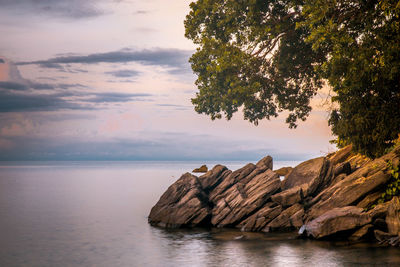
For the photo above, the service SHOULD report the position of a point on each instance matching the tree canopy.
(270, 56)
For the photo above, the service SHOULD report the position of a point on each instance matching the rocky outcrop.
(183, 204)
(327, 197)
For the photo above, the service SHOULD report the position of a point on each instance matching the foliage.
(393, 187)
(269, 56)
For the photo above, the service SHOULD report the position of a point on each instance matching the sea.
(95, 214)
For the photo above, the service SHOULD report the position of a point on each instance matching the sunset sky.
(110, 80)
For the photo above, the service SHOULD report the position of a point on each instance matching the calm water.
(95, 214)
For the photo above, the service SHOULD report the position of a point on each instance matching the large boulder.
(351, 190)
(243, 199)
(183, 204)
(303, 173)
(336, 221)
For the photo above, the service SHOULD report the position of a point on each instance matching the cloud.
(123, 73)
(13, 86)
(176, 59)
(117, 97)
(13, 102)
(176, 107)
(71, 9)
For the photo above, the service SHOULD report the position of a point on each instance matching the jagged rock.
(296, 220)
(393, 216)
(183, 204)
(203, 168)
(341, 155)
(335, 221)
(290, 196)
(284, 171)
(230, 180)
(351, 189)
(213, 177)
(344, 167)
(361, 233)
(369, 200)
(257, 221)
(303, 173)
(265, 163)
(283, 221)
(322, 180)
(243, 199)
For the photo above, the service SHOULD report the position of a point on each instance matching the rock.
(358, 161)
(296, 220)
(344, 167)
(284, 171)
(386, 238)
(265, 163)
(338, 178)
(257, 221)
(283, 221)
(243, 199)
(369, 200)
(341, 155)
(290, 196)
(230, 180)
(322, 180)
(303, 173)
(393, 216)
(183, 204)
(203, 168)
(361, 233)
(351, 189)
(213, 177)
(379, 211)
(335, 221)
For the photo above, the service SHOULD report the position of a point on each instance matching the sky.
(110, 80)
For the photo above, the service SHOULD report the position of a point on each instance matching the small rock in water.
(239, 237)
(203, 168)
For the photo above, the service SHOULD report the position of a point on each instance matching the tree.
(268, 56)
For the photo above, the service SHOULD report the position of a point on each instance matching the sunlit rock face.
(327, 197)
